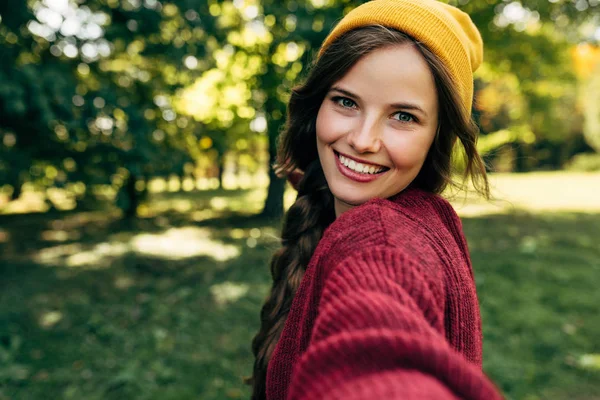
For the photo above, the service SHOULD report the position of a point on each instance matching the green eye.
(404, 117)
(344, 102)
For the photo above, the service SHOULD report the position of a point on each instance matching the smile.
(358, 171)
(359, 167)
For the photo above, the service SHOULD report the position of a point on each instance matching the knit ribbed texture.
(445, 30)
(387, 309)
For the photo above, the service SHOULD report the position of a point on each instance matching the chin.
(350, 198)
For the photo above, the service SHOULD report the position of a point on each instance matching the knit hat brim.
(445, 30)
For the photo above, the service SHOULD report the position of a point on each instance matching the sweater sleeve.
(379, 334)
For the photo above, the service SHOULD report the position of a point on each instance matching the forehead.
(391, 74)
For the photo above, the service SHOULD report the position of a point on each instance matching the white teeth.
(359, 167)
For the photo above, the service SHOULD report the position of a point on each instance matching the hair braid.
(303, 227)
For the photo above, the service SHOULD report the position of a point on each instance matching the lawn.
(164, 307)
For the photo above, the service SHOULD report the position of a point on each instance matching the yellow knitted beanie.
(445, 30)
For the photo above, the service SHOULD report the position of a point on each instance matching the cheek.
(408, 151)
(321, 132)
(328, 125)
(321, 126)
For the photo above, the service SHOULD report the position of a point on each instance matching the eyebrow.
(404, 106)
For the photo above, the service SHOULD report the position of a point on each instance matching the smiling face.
(376, 125)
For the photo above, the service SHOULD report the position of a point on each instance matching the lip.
(355, 176)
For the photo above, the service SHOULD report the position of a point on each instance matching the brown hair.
(313, 210)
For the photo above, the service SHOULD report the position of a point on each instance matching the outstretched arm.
(379, 334)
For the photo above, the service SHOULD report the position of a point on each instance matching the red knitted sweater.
(387, 309)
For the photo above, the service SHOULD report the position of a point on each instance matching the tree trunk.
(16, 179)
(274, 110)
(17, 190)
(181, 177)
(274, 204)
(130, 209)
(520, 157)
(220, 167)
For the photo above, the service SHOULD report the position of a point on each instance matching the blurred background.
(138, 212)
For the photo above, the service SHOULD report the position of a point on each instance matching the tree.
(112, 91)
(527, 80)
(85, 89)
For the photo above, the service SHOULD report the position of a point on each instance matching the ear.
(295, 177)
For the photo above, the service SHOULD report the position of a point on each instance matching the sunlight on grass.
(124, 282)
(228, 292)
(202, 205)
(207, 183)
(218, 203)
(157, 186)
(97, 256)
(59, 235)
(55, 236)
(230, 181)
(534, 192)
(202, 215)
(178, 205)
(52, 255)
(188, 185)
(237, 233)
(50, 318)
(182, 206)
(82, 219)
(178, 243)
(589, 361)
(173, 244)
(251, 202)
(550, 191)
(73, 255)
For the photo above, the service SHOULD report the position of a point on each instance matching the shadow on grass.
(165, 307)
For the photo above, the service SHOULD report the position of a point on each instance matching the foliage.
(527, 81)
(112, 91)
(85, 93)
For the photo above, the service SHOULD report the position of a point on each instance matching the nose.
(366, 137)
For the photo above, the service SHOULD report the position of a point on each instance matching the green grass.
(165, 307)
(537, 279)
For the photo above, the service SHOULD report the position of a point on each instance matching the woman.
(373, 294)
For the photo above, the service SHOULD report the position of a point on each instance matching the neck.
(340, 207)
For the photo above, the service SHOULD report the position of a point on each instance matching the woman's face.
(376, 125)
